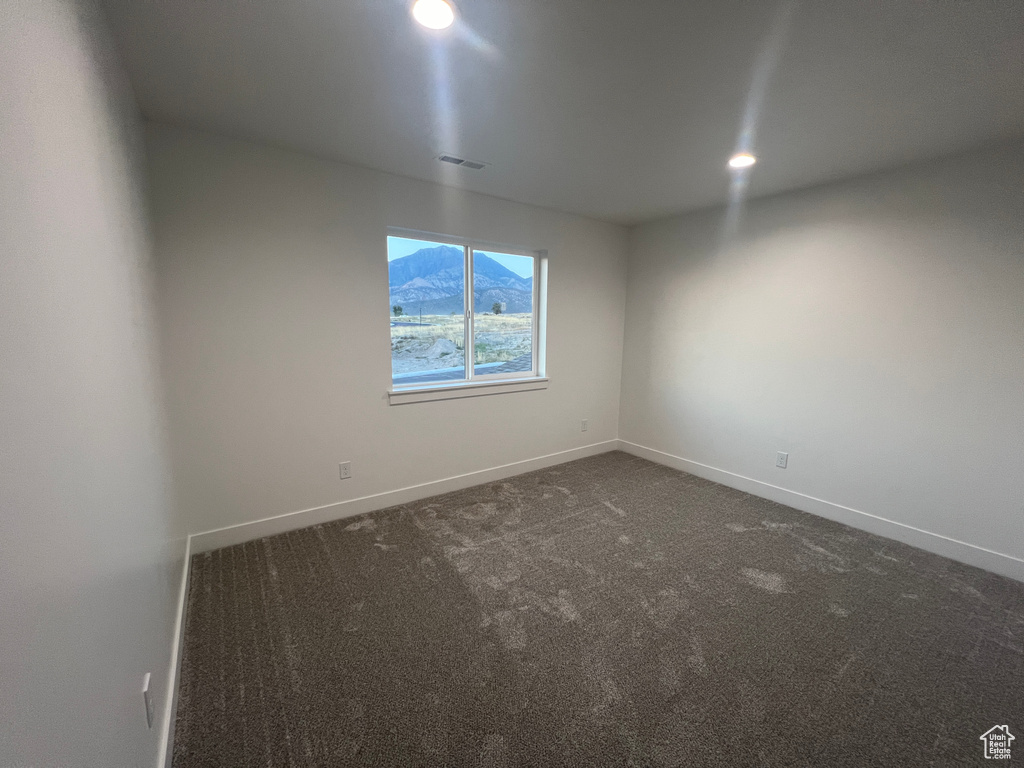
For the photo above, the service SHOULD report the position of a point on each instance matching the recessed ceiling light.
(742, 160)
(433, 14)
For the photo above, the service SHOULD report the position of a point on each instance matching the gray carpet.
(605, 612)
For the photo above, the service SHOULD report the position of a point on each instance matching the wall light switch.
(584, 425)
(781, 460)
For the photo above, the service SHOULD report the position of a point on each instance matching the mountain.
(431, 280)
(424, 263)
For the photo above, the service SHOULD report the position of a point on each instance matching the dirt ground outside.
(440, 342)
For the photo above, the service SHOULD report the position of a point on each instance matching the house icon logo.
(997, 742)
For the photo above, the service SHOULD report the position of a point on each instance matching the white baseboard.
(971, 554)
(173, 674)
(239, 534)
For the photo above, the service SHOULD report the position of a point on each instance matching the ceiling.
(623, 111)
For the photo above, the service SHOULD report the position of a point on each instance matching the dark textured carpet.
(605, 612)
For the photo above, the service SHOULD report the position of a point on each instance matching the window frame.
(471, 316)
(481, 384)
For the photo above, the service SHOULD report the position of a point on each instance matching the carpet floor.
(605, 612)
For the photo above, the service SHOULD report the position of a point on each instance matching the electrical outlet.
(584, 425)
(147, 700)
(781, 460)
(345, 470)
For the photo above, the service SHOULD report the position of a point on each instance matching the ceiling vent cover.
(473, 164)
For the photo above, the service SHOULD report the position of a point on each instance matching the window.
(461, 314)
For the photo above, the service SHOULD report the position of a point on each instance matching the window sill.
(448, 391)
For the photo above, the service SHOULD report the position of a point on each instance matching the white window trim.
(483, 384)
(462, 389)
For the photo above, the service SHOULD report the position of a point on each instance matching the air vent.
(462, 162)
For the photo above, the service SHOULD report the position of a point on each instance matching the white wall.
(90, 555)
(273, 297)
(873, 329)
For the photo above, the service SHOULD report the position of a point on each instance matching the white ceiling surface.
(617, 110)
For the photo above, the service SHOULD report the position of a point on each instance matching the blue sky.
(403, 246)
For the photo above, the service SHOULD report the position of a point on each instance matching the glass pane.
(427, 287)
(503, 307)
